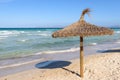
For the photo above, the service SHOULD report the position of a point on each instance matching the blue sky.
(57, 13)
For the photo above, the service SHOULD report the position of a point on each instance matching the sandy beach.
(104, 66)
(59, 40)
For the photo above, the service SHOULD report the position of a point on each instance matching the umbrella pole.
(81, 57)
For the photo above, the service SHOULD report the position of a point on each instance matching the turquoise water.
(20, 42)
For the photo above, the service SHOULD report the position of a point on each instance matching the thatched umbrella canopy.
(82, 28)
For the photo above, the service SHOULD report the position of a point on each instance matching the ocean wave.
(22, 32)
(117, 31)
(8, 32)
(38, 31)
(44, 34)
(1, 36)
(93, 44)
(23, 40)
(38, 53)
(39, 34)
(61, 51)
(62, 41)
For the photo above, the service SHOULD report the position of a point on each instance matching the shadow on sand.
(112, 50)
(55, 64)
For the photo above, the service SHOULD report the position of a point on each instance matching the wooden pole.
(81, 57)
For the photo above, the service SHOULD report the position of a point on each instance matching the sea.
(22, 42)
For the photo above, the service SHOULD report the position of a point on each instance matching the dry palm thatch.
(82, 28)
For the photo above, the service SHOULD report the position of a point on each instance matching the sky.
(57, 13)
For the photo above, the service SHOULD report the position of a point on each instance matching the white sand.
(97, 67)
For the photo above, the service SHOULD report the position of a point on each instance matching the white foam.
(38, 53)
(61, 51)
(8, 33)
(23, 40)
(117, 31)
(93, 44)
(22, 32)
(3, 36)
(43, 34)
(40, 34)
(38, 31)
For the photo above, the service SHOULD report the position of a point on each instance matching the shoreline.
(6, 64)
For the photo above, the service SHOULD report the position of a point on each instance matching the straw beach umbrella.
(82, 28)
